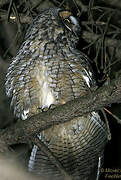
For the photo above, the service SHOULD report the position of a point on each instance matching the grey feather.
(48, 69)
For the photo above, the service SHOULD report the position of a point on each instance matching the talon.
(45, 109)
(52, 106)
(40, 110)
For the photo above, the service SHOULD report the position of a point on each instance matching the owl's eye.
(68, 23)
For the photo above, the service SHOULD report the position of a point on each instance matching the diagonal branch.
(22, 131)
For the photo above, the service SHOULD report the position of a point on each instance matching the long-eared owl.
(48, 69)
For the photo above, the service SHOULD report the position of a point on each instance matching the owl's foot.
(45, 109)
(52, 106)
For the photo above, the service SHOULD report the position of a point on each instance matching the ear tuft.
(65, 14)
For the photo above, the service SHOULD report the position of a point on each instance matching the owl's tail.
(77, 145)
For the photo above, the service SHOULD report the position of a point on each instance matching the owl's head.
(55, 24)
(69, 21)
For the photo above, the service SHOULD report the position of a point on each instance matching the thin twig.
(14, 39)
(51, 156)
(17, 17)
(79, 12)
(107, 125)
(36, 5)
(3, 2)
(83, 7)
(113, 115)
(9, 9)
(25, 19)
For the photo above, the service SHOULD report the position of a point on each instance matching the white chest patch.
(46, 96)
(87, 80)
(87, 77)
(25, 114)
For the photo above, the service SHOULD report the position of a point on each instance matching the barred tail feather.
(77, 145)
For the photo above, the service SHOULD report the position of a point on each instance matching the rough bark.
(22, 131)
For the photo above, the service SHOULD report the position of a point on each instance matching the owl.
(47, 70)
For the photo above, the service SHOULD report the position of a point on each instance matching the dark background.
(108, 26)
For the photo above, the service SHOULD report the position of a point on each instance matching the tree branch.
(3, 2)
(92, 37)
(22, 131)
(86, 35)
(115, 3)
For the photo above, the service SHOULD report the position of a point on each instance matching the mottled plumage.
(49, 70)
